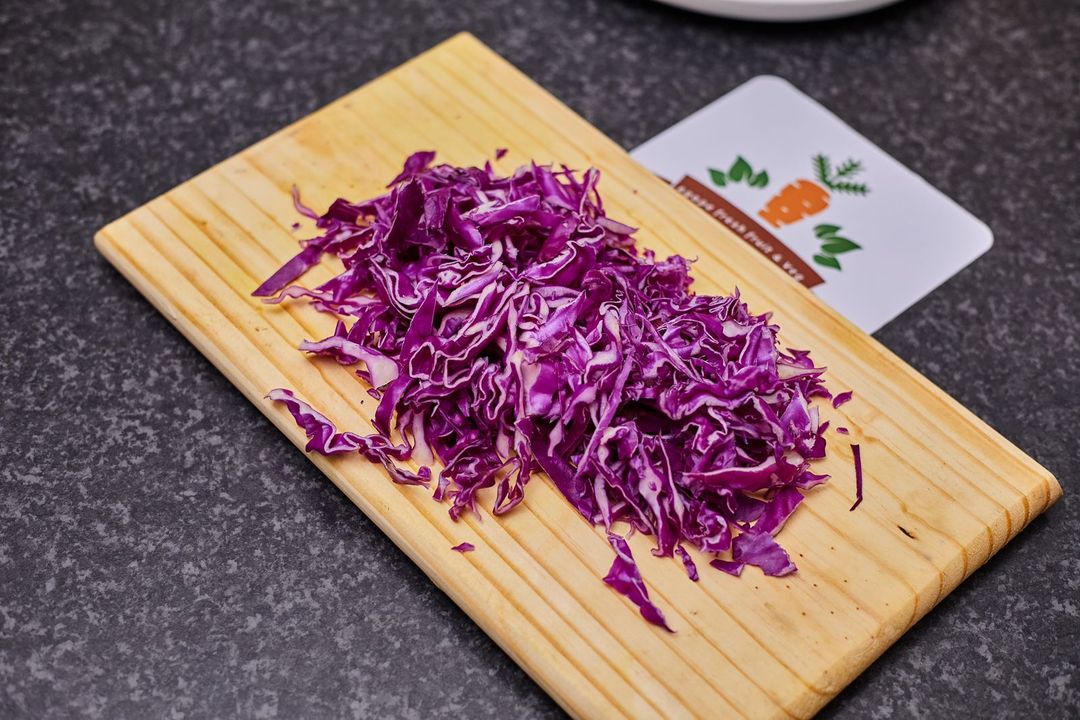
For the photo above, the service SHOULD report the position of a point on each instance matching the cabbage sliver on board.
(506, 325)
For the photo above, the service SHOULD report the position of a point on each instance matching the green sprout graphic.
(832, 244)
(740, 171)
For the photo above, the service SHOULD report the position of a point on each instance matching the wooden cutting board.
(944, 492)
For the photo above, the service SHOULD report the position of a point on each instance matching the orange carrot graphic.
(795, 201)
(804, 198)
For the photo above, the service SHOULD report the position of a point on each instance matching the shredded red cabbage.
(857, 455)
(625, 577)
(507, 325)
(464, 547)
(688, 563)
(731, 567)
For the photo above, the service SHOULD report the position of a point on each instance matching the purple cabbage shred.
(857, 455)
(625, 577)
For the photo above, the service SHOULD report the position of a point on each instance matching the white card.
(869, 236)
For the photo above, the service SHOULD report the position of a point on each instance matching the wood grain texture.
(943, 490)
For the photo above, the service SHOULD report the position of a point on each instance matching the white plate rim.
(780, 10)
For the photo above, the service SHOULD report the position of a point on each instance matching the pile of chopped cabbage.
(506, 325)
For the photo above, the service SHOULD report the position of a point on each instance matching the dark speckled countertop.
(164, 552)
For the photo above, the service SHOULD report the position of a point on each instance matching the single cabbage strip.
(857, 455)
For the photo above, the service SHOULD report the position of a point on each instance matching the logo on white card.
(803, 198)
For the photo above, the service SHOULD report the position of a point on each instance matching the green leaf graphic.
(837, 245)
(850, 188)
(717, 177)
(760, 180)
(851, 167)
(821, 169)
(824, 231)
(740, 169)
(827, 261)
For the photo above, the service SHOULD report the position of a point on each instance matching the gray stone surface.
(164, 552)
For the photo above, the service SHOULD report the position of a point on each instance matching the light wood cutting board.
(943, 491)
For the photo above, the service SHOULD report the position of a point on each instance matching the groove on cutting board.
(944, 492)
